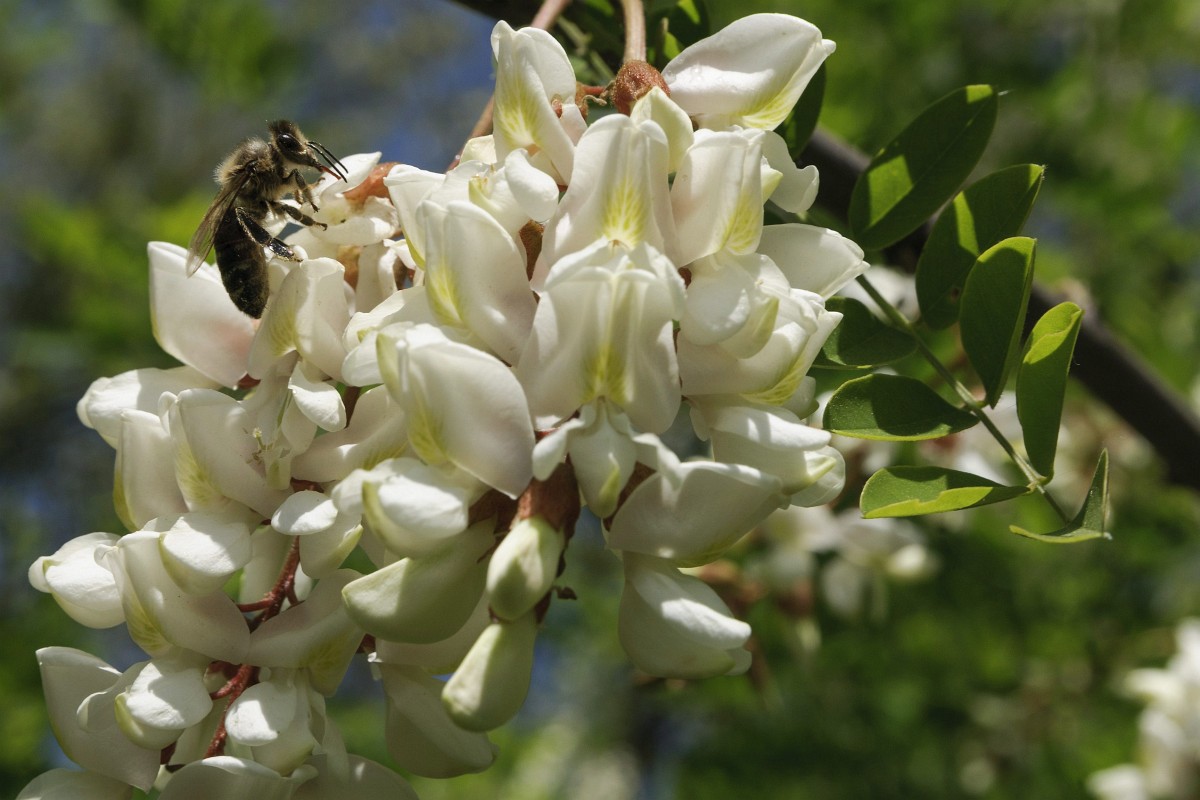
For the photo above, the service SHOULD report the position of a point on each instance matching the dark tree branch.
(1110, 370)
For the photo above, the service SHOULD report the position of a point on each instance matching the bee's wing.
(202, 239)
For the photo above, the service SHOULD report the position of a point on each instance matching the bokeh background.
(996, 675)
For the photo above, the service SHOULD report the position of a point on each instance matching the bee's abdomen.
(242, 264)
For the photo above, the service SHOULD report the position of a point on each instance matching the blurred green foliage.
(995, 678)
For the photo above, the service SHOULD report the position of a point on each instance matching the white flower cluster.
(433, 408)
(1168, 764)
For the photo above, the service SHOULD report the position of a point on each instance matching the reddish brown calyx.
(634, 80)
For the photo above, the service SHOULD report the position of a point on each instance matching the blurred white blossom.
(1167, 764)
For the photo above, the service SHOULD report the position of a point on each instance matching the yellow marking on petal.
(767, 112)
(378, 455)
(755, 338)
(515, 115)
(142, 629)
(784, 386)
(624, 216)
(605, 375)
(444, 298)
(770, 182)
(195, 483)
(425, 434)
(327, 661)
(281, 331)
(120, 499)
(741, 234)
(610, 490)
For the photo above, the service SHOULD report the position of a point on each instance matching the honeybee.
(254, 178)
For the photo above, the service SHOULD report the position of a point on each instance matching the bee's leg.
(296, 214)
(263, 237)
(303, 191)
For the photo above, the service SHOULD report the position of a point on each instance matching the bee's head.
(298, 151)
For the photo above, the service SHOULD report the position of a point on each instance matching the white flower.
(462, 406)
(618, 194)
(490, 685)
(750, 73)
(306, 314)
(523, 567)
(475, 277)
(535, 99)
(316, 636)
(604, 449)
(415, 508)
(233, 778)
(162, 615)
(1122, 782)
(674, 625)
(421, 736)
(775, 441)
(83, 587)
(426, 598)
(692, 512)
(164, 696)
(68, 678)
(65, 784)
(193, 317)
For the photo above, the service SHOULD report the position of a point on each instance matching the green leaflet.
(1090, 522)
(918, 171)
(1042, 382)
(892, 408)
(909, 491)
(983, 214)
(687, 22)
(993, 311)
(861, 339)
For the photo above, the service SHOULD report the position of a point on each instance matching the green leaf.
(798, 128)
(984, 213)
(922, 168)
(673, 28)
(909, 491)
(861, 339)
(993, 310)
(1042, 382)
(1091, 521)
(892, 408)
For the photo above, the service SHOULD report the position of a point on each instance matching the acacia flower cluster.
(392, 461)
(1168, 753)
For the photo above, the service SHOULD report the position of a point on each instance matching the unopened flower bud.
(427, 598)
(675, 626)
(420, 734)
(635, 79)
(491, 683)
(523, 567)
(85, 589)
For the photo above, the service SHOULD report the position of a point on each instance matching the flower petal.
(462, 406)
(750, 73)
(817, 260)
(181, 306)
(421, 736)
(692, 514)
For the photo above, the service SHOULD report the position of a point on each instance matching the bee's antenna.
(330, 158)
